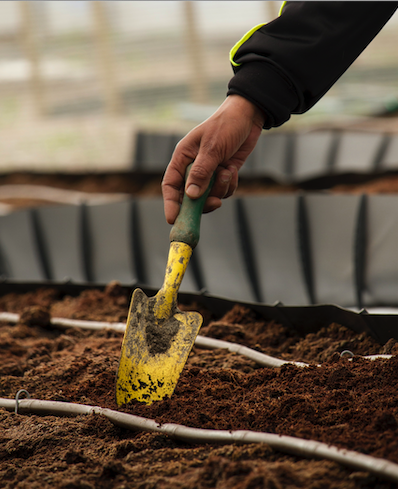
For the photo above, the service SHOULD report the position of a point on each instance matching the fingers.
(212, 203)
(172, 191)
(200, 175)
(221, 144)
(173, 183)
(171, 202)
(205, 164)
(225, 185)
(232, 183)
(226, 140)
(226, 182)
(174, 178)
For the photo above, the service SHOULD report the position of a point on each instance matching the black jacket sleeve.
(287, 65)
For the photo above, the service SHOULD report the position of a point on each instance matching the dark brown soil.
(349, 404)
(136, 184)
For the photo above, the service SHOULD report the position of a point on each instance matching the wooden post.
(32, 53)
(199, 84)
(103, 39)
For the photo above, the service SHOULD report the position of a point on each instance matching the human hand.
(220, 144)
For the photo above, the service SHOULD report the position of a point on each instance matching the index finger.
(173, 186)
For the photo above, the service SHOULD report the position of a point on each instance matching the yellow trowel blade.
(158, 337)
(154, 352)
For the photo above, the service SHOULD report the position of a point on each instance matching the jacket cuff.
(266, 87)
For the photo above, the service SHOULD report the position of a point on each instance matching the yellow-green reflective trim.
(247, 36)
(240, 42)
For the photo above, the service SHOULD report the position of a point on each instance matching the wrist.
(250, 109)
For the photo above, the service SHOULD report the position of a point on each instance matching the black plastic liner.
(300, 250)
(289, 157)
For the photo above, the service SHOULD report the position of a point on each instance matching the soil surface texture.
(350, 404)
(14, 186)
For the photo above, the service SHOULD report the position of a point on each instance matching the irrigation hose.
(260, 358)
(286, 444)
(201, 341)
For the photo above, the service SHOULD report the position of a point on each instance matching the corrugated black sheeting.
(297, 249)
(289, 156)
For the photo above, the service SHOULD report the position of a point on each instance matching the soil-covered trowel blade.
(154, 352)
(158, 337)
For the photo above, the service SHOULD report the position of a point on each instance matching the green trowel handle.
(186, 228)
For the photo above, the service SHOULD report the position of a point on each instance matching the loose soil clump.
(350, 404)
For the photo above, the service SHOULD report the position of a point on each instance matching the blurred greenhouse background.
(79, 78)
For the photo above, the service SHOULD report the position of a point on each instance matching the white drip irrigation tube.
(201, 341)
(93, 325)
(70, 323)
(260, 358)
(286, 444)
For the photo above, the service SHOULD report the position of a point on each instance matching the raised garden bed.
(347, 403)
(351, 404)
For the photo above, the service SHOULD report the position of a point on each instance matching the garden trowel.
(158, 336)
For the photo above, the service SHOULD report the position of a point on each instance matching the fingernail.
(225, 177)
(193, 191)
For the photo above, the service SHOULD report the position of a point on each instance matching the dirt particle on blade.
(159, 334)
